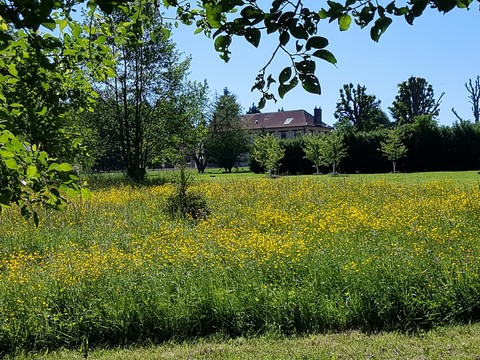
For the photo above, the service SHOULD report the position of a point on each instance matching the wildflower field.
(291, 255)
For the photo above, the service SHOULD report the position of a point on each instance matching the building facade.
(286, 124)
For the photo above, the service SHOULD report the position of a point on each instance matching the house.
(286, 124)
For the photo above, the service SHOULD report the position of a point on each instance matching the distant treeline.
(430, 147)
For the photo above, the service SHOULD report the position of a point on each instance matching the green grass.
(292, 256)
(452, 342)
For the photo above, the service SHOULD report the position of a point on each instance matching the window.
(283, 134)
(297, 133)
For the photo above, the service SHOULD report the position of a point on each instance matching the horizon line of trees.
(423, 145)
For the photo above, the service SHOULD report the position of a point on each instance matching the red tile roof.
(282, 119)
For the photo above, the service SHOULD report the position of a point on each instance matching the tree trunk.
(334, 168)
(394, 163)
(318, 170)
(201, 163)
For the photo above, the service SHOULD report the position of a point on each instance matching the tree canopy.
(360, 109)
(294, 23)
(415, 98)
(226, 140)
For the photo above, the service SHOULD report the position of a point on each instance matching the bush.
(186, 204)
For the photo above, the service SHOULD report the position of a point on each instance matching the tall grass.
(291, 255)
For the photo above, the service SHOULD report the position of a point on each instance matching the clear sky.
(443, 49)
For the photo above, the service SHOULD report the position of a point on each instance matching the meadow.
(293, 255)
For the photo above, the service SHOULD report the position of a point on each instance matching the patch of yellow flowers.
(358, 225)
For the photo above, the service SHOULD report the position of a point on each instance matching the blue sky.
(442, 48)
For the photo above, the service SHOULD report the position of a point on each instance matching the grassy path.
(451, 342)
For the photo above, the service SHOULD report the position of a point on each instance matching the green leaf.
(381, 25)
(11, 163)
(298, 31)
(43, 111)
(298, 46)
(344, 22)
(85, 193)
(284, 38)
(69, 52)
(101, 40)
(305, 66)
(316, 42)
(62, 24)
(323, 14)
(325, 55)
(52, 166)
(285, 75)
(229, 5)
(31, 171)
(311, 84)
(50, 24)
(284, 88)
(253, 36)
(64, 167)
(262, 103)
(12, 70)
(214, 16)
(221, 43)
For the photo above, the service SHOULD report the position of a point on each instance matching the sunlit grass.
(291, 255)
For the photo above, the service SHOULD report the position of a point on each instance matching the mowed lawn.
(290, 256)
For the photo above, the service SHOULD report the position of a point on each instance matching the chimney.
(317, 116)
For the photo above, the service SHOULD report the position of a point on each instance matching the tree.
(360, 109)
(268, 152)
(253, 109)
(326, 149)
(152, 103)
(415, 98)
(474, 96)
(473, 90)
(393, 148)
(313, 146)
(226, 140)
(40, 90)
(193, 136)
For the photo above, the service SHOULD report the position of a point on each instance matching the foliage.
(294, 162)
(29, 177)
(415, 98)
(268, 152)
(294, 23)
(43, 83)
(332, 149)
(149, 104)
(253, 109)
(184, 203)
(313, 146)
(297, 255)
(393, 148)
(359, 109)
(296, 26)
(226, 141)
